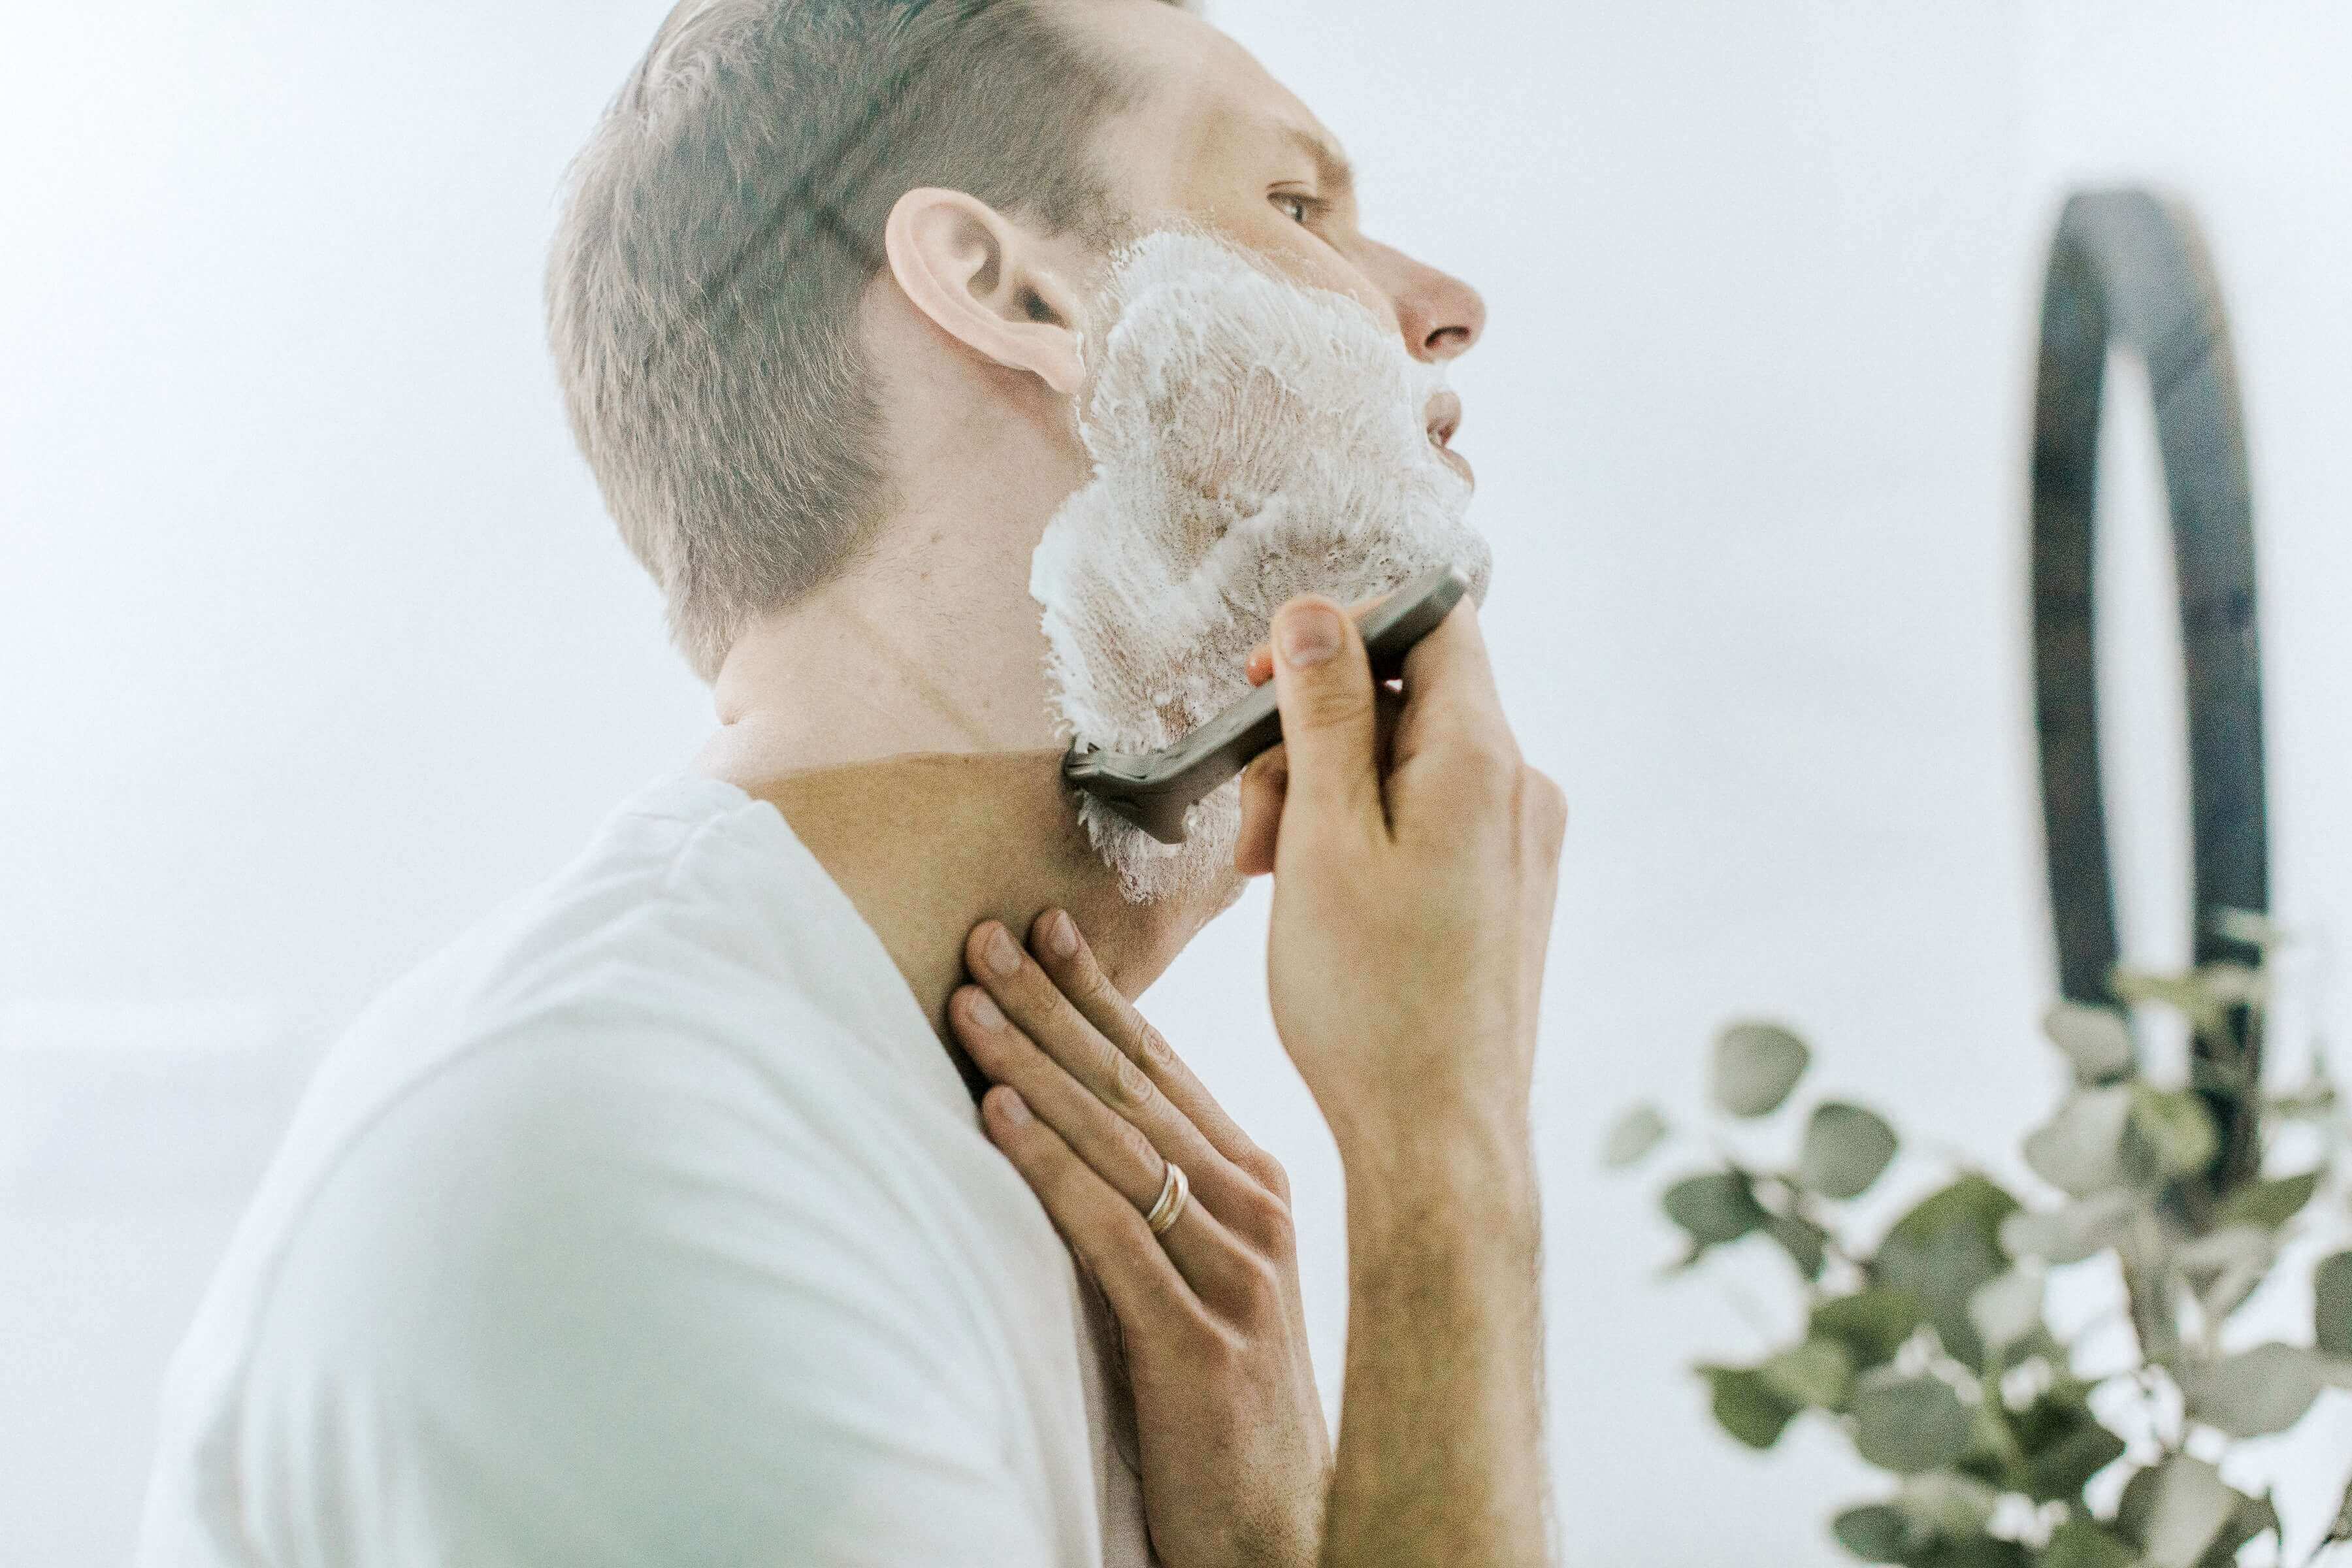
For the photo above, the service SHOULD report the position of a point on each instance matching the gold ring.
(1173, 1191)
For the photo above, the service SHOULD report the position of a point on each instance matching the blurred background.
(318, 644)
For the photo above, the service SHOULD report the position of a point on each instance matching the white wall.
(318, 645)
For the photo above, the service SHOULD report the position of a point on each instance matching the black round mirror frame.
(2128, 269)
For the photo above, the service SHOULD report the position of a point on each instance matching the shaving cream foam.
(1251, 439)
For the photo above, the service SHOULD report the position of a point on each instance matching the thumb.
(1323, 684)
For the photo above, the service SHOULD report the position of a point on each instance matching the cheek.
(1361, 289)
(1324, 266)
(1309, 260)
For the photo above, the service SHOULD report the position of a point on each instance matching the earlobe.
(986, 282)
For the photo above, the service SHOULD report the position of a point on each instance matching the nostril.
(1447, 342)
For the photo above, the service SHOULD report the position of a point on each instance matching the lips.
(1445, 417)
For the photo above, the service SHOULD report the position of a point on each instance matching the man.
(653, 1221)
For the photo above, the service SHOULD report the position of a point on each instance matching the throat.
(927, 846)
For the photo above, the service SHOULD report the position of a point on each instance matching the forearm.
(1441, 1429)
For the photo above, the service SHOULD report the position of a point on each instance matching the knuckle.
(1193, 1327)
(1046, 1165)
(1257, 1286)
(1221, 1351)
(1494, 753)
(1031, 997)
(1128, 1089)
(1266, 1171)
(1048, 1158)
(1545, 805)
(1329, 701)
(1153, 1053)
(1134, 1147)
(1277, 1183)
(1266, 1219)
(1091, 984)
(1483, 764)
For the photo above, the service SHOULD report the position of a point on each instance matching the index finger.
(1068, 960)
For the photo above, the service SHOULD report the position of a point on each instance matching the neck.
(906, 674)
(927, 846)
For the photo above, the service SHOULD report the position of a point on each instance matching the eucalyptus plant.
(1930, 1349)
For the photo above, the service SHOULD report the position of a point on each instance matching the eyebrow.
(1332, 170)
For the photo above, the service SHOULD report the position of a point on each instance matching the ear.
(986, 282)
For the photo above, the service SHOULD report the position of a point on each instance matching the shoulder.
(603, 1279)
(587, 1164)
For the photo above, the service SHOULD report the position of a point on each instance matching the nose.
(1441, 316)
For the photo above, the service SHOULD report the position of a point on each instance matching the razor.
(1154, 789)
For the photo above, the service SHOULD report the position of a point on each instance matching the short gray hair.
(718, 232)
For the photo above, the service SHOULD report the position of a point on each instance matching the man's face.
(1217, 141)
(1264, 414)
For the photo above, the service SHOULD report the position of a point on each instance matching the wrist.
(1463, 1172)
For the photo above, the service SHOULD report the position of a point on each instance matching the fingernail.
(1003, 958)
(1308, 634)
(1012, 1107)
(1062, 935)
(985, 1012)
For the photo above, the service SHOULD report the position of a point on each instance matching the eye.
(1299, 207)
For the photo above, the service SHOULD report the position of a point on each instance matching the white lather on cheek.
(1252, 440)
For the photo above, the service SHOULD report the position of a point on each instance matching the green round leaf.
(2176, 1510)
(1755, 1066)
(2080, 1150)
(1879, 1532)
(2255, 1393)
(2096, 1040)
(1746, 1407)
(1911, 1425)
(1806, 1243)
(2006, 1309)
(1944, 1273)
(1954, 1507)
(2073, 1233)
(1980, 1552)
(1972, 1202)
(2225, 1268)
(1871, 1324)
(2270, 1205)
(1637, 1132)
(1942, 1250)
(2233, 1247)
(2205, 996)
(2063, 1443)
(2174, 1129)
(2085, 1543)
(1845, 1149)
(1817, 1373)
(1714, 1208)
(2331, 1290)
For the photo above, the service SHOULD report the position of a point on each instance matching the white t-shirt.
(649, 1224)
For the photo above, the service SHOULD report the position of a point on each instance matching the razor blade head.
(1156, 790)
(1123, 783)
(1162, 816)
